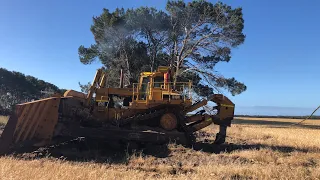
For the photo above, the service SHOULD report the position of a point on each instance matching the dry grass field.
(3, 120)
(257, 148)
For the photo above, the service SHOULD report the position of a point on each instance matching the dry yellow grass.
(281, 132)
(282, 121)
(3, 120)
(256, 149)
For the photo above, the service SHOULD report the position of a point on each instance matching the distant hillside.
(275, 111)
(16, 87)
(281, 117)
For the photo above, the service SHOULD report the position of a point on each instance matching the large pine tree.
(192, 38)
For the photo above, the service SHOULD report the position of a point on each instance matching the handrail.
(183, 88)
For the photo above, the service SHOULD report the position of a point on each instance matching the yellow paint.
(226, 105)
(149, 92)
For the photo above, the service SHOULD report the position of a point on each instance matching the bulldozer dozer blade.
(31, 121)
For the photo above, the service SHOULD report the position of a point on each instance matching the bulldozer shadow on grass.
(98, 151)
(86, 150)
(229, 148)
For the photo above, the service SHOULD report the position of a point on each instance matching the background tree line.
(189, 37)
(16, 87)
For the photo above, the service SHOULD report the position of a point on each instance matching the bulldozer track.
(31, 152)
(155, 113)
(149, 115)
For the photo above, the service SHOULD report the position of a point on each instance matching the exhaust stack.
(121, 78)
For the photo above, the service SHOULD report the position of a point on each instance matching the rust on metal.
(31, 121)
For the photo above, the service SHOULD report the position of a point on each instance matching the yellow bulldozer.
(154, 110)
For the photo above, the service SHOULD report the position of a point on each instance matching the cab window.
(158, 81)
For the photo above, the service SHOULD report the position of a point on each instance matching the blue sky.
(279, 61)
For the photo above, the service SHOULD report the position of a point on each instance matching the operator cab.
(155, 82)
(158, 88)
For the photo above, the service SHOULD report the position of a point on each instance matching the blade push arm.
(99, 80)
